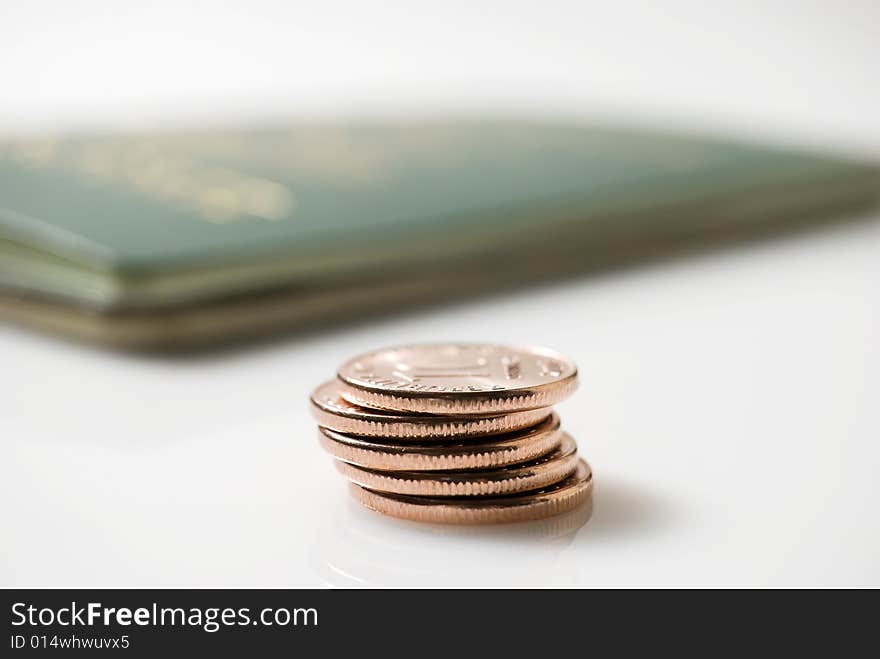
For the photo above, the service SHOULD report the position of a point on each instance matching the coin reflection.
(358, 547)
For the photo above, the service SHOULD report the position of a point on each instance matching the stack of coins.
(454, 433)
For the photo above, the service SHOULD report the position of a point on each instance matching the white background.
(729, 402)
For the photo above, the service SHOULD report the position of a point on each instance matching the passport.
(174, 237)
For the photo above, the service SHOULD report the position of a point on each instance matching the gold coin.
(458, 379)
(553, 500)
(512, 448)
(544, 471)
(333, 412)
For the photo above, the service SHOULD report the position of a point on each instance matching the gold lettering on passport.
(218, 194)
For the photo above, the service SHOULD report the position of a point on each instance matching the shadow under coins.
(622, 511)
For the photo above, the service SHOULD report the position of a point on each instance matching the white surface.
(805, 70)
(729, 405)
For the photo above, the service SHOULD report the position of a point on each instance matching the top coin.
(458, 379)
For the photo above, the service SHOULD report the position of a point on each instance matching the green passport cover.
(147, 222)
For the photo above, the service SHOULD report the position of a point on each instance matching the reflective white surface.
(729, 407)
(730, 402)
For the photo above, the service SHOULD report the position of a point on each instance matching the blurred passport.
(176, 239)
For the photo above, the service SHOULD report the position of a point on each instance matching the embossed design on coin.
(544, 471)
(556, 499)
(459, 379)
(333, 412)
(483, 453)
